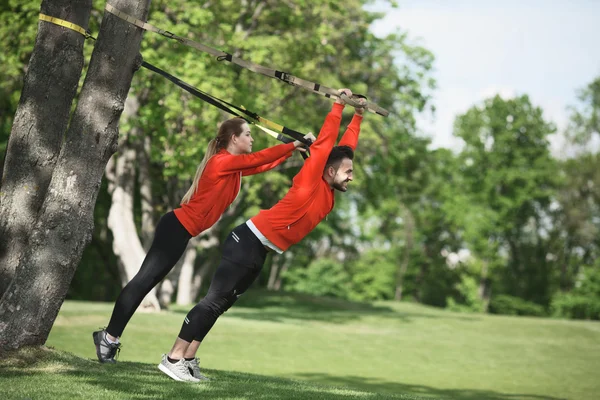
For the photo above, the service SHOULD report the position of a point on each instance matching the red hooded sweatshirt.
(220, 184)
(310, 198)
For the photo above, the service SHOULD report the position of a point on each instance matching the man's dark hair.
(338, 153)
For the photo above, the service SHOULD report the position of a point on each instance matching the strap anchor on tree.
(249, 116)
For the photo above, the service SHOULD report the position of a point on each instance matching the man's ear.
(331, 171)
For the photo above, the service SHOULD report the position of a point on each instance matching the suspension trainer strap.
(221, 104)
(222, 56)
(249, 116)
(66, 24)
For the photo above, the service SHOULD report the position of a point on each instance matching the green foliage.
(583, 302)
(511, 305)
(509, 179)
(18, 26)
(373, 276)
(569, 305)
(470, 301)
(324, 277)
(585, 117)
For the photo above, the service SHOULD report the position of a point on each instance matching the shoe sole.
(169, 373)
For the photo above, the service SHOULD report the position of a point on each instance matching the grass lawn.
(282, 346)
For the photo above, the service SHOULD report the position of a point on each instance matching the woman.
(216, 185)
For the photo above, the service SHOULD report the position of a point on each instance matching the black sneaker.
(105, 350)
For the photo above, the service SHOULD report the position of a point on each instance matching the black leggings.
(170, 241)
(242, 259)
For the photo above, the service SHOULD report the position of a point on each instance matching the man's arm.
(350, 137)
(313, 167)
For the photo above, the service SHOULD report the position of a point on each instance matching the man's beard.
(340, 186)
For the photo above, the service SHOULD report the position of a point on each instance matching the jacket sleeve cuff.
(357, 118)
(337, 109)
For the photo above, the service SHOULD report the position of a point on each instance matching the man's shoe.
(105, 350)
(178, 371)
(194, 366)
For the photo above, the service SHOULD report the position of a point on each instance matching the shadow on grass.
(45, 373)
(375, 385)
(277, 306)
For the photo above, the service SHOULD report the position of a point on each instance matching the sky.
(546, 49)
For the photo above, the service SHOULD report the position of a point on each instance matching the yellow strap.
(270, 124)
(66, 24)
(267, 130)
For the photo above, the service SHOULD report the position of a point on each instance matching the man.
(307, 203)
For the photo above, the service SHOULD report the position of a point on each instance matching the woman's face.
(243, 144)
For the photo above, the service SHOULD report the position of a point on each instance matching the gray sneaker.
(178, 371)
(194, 365)
(105, 350)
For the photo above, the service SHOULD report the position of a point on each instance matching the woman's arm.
(229, 163)
(265, 167)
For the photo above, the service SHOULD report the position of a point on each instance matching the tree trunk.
(186, 274)
(484, 290)
(284, 268)
(190, 282)
(64, 227)
(409, 225)
(126, 243)
(275, 262)
(145, 182)
(39, 125)
(121, 173)
(423, 269)
(200, 277)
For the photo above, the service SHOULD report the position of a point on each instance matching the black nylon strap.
(196, 92)
(224, 105)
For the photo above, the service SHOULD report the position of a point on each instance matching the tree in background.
(577, 215)
(509, 180)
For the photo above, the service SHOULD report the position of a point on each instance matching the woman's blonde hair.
(227, 129)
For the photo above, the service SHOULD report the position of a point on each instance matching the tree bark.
(190, 282)
(274, 272)
(409, 225)
(121, 174)
(64, 227)
(126, 242)
(145, 183)
(186, 274)
(286, 265)
(40, 122)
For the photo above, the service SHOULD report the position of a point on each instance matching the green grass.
(281, 346)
